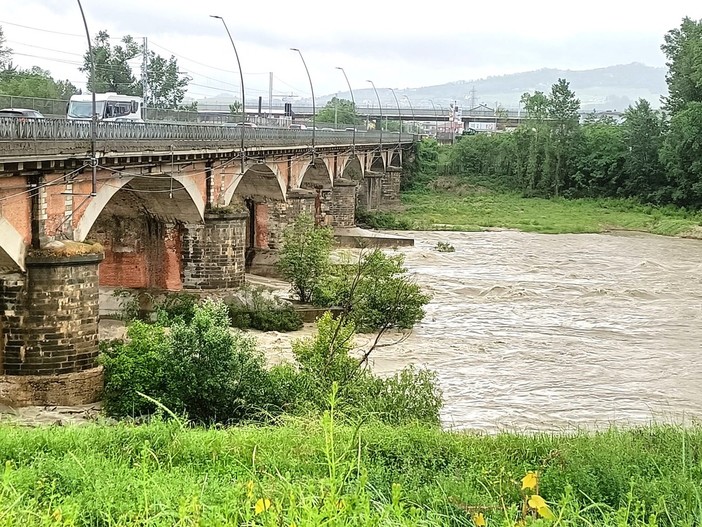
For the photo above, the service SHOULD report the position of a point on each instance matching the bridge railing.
(13, 129)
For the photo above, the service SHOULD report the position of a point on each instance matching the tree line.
(113, 73)
(652, 155)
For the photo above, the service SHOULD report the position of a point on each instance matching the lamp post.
(436, 120)
(399, 116)
(414, 124)
(380, 107)
(243, 100)
(353, 103)
(314, 108)
(93, 118)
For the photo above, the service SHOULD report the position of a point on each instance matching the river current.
(536, 332)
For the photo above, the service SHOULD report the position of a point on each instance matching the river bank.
(469, 210)
(311, 472)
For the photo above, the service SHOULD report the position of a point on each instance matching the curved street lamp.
(243, 101)
(414, 124)
(93, 119)
(314, 108)
(436, 120)
(353, 103)
(399, 116)
(380, 107)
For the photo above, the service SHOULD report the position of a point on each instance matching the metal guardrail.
(13, 129)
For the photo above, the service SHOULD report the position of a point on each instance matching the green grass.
(475, 212)
(317, 473)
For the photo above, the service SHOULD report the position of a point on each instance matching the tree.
(563, 111)
(682, 155)
(683, 49)
(112, 70)
(600, 158)
(304, 256)
(166, 85)
(339, 111)
(235, 108)
(643, 174)
(5, 52)
(35, 82)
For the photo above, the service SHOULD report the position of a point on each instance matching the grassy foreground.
(308, 473)
(475, 212)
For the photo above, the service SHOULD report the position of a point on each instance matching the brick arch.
(188, 209)
(377, 163)
(317, 174)
(258, 179)
(395, 157)
(348, 170)
(12, 247)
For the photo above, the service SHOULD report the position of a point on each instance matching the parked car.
(21, 113)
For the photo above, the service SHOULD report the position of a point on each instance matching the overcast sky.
(396, 44)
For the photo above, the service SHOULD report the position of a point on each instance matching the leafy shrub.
(326, 360)
(198, 368)
(176, 307)
(210, 373)
(265, 313)
(377, 292)
(382, 220)
(304, 255)
(133, 366)
(445, 247)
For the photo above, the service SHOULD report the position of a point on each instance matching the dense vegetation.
(316, 472)
(652, 156)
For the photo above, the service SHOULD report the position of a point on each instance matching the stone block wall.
(213, 253)
(390, 188)
(369, 192)
(343, 203)
(50, 319)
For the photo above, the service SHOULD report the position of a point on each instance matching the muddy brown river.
(534, 332)
(556, 332)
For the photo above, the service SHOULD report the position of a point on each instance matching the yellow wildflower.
(530, 480)
(249, 488)
(263, 504)
(539, 504)
(479, 520)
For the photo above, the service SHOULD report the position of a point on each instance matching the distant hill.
(610, 88)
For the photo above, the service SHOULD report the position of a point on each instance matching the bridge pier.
(213, 253)
(343, 203)
(49, 331)
(390, 187)
(370, 191)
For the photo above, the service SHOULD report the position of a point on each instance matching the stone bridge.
(152, 206)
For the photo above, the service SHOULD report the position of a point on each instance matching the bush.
(133, 366)
(258, 311)
(325, 360)
(199, 368)
(212, 374)
(376, 292)
(304, 255)
(382, 220)
(176, 307)
(445, 247)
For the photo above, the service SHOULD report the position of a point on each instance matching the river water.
(556, 332)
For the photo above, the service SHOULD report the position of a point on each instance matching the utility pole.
(145, 75)
(336, 111)
(270, 94)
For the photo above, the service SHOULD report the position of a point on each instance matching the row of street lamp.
(314, 108)
(243, 101)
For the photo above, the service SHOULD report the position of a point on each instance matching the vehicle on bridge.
(21, 113)
(108, 107)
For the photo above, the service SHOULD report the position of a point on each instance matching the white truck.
(108, 107)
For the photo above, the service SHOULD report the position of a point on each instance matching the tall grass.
(475, 211)
(320, 472)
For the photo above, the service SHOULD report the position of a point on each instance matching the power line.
(51, 30)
